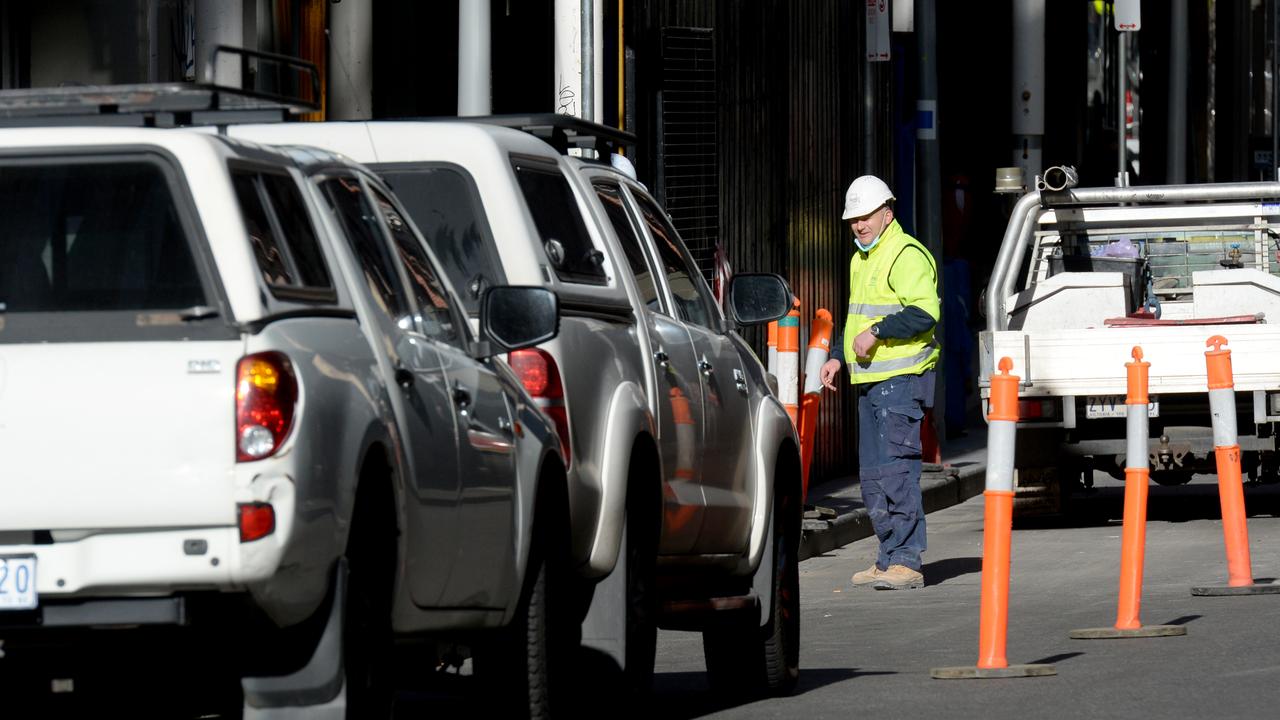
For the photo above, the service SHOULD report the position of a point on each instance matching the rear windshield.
(92, 237)
(98, 236)
(445, 205)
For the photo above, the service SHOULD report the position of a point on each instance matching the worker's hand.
(863, 343)
(828, 373)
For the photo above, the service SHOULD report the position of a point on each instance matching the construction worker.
(889, 347)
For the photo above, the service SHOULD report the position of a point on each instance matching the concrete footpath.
(835, 515)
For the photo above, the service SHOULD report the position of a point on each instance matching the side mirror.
(514, 317)
(756, 298)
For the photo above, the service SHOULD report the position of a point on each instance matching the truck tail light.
(266, 397)
(540, 375)
(257, 520)
(1038, 409)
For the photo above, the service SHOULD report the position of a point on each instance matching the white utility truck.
(1085, 274)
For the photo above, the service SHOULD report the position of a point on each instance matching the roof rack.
(564, 131)
(170, 104)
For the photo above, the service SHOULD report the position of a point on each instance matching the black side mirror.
(756, 298)
(514, 317)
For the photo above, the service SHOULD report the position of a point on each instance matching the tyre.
(528, 664)
(366, 618)
(749, 657)
(642, 610)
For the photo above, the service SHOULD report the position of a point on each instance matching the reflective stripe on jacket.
(871, 298)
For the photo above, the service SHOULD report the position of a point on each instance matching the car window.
(564, 235)
(693, 303)
(445, 205)
(611, 197)
(360, 224)
(280, 232)
(434, 313)
(92, 236)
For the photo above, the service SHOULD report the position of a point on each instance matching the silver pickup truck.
(683, 482)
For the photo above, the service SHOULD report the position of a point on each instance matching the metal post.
(1122, 46)
(1028, 86)
(474, 95)
(928, 175)
(350, 64)
(1176, 149)
(219, 23)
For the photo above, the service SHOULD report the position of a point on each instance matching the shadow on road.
(1176, 504)
(686, 695)
(940, 571)
(1055, 658)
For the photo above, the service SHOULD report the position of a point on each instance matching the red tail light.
(1038, 409)
(266, 397)
(257, 520)
(540, 375)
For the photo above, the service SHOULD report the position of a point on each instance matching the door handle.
(705, 366)
(663, 359)
(404, 378)
(461, 397)
(740, 381)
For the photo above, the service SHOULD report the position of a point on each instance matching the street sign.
(1128, 15)
(877, 30)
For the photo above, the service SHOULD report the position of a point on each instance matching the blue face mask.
(866, 248)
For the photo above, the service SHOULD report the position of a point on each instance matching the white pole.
(350, 63)
(218, 23)
(474, 96)
(1028, 86)
(568, 57)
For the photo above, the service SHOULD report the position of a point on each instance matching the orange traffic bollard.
(789, 362)
(997, 537)
(1226, 448)
(819, 349)
(772, 355)
(1137, 475)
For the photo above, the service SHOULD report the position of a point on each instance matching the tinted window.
(564, 235)
(433, 302)
(446, 208)
(279, 230)
(88, 235)
(611, 197)
(692, 303)
(298, 234)
(360, 225)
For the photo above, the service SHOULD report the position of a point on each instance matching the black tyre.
(366, 626)
(752, 658)
(642, 610)
(528, 664)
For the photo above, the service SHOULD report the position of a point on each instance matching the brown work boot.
(899, 577)
(866, 577)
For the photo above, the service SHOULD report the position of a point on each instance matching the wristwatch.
(875, 331)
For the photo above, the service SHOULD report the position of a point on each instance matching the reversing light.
(266, 397)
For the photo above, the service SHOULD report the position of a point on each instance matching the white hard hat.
(865, 195)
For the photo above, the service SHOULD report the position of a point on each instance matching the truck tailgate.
(1091, 361)
(117, 435)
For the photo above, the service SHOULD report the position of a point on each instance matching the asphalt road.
(868, 653)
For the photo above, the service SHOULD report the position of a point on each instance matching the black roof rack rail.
(170, 104)
(564, 131)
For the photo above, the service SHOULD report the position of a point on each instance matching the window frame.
(296, 292)
(127, 325)
(553, 167)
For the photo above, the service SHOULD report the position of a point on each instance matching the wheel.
(748, 657)
(642, 610)
(528, 664)
(366, 617)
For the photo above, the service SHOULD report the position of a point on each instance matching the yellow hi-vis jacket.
(874, 294)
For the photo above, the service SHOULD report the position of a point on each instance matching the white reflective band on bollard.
(1222, 404)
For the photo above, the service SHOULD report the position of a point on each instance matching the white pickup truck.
(1085, 274)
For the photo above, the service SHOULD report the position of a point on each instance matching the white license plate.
(1112, 406)
(18, 583)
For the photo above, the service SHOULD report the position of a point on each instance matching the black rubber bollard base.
(1226, 590)
(1146, 631)
(977, 673)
